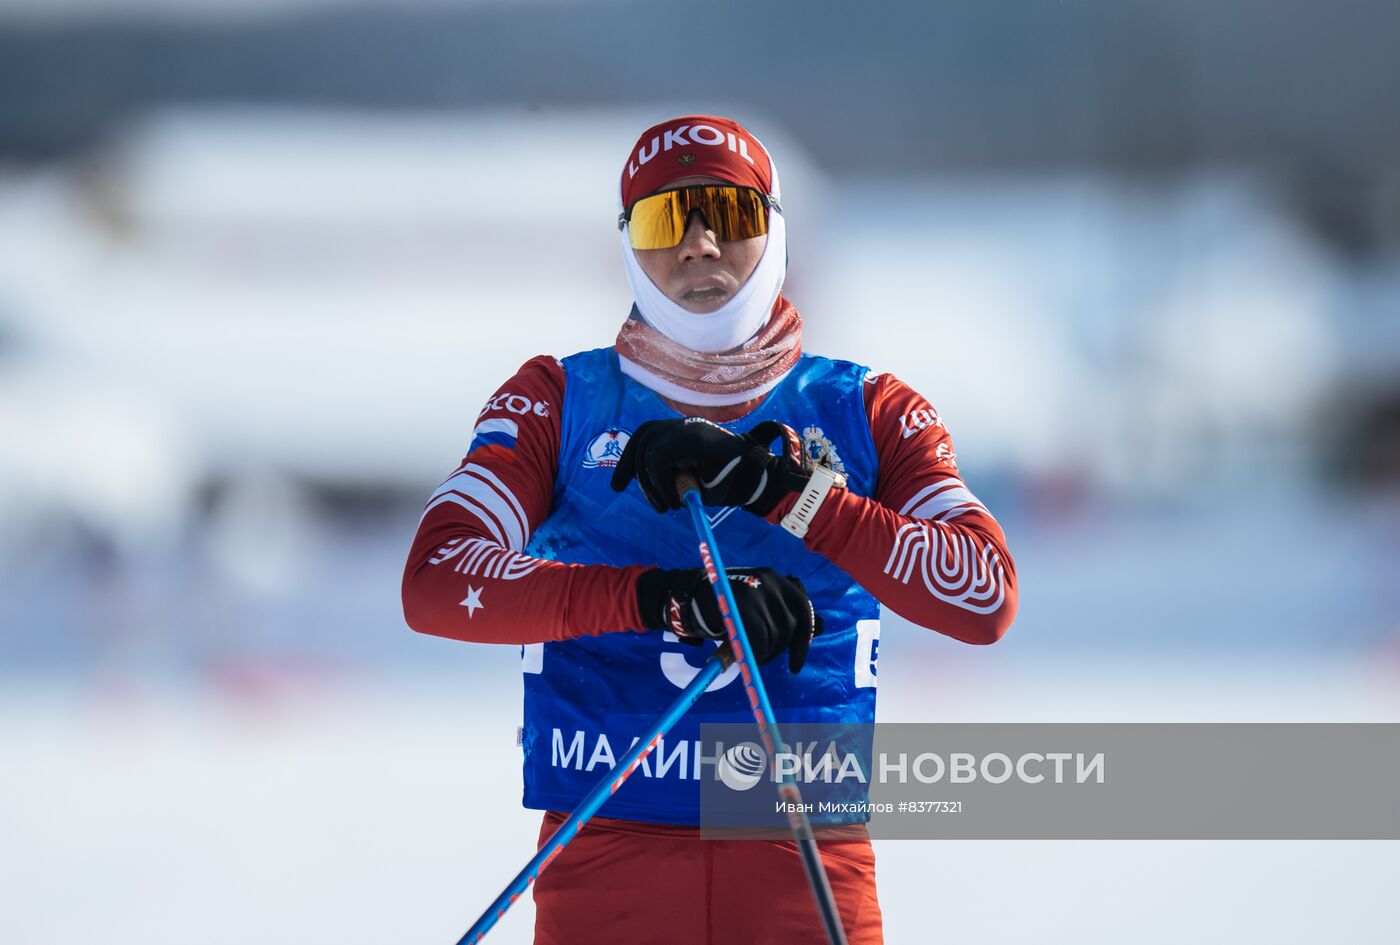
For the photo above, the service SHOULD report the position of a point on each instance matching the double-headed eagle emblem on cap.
(685, 160)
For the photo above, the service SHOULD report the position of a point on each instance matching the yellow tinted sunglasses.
(733, 213)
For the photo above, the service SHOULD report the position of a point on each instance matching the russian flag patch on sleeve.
(497, 437)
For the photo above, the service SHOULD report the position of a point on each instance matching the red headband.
(695, 146)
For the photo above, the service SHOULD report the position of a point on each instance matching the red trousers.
(624, 882)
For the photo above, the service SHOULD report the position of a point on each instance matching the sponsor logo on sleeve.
(918, 420)
(944, 454)
(517, 404)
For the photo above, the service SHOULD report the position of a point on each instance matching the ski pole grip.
(685, 481)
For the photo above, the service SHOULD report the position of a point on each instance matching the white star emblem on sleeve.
(473, 600)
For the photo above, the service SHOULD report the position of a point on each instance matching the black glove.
(732, 469)
(776, 611)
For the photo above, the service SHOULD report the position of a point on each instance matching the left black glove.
(732, 469)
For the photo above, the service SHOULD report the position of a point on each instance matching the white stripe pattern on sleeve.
(484, 558)
(950, 565)
(479, 491)
(944, 499)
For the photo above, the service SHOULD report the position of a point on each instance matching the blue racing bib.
(588, 699)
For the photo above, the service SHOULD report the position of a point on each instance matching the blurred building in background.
(262, 263)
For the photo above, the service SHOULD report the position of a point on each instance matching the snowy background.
(261, 264)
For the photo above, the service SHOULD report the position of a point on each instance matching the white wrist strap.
(800, 518)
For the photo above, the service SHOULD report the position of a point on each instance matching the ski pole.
(689, 488)
(595, 798)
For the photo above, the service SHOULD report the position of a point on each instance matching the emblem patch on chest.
(821, 450)
(606, 448)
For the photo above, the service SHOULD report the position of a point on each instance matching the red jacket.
(920, 506)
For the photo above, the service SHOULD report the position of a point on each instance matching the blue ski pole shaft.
(788, 792)
(595, 799)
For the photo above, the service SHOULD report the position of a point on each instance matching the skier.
(562, 531)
